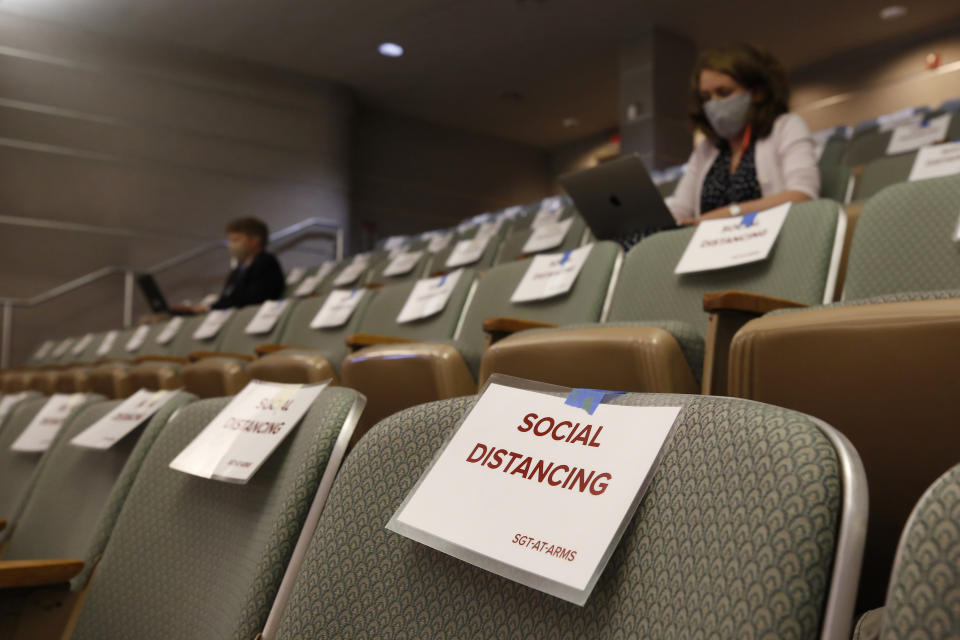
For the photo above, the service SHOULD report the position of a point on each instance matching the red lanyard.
(745, 141)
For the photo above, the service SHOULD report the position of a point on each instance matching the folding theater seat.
(879, 366)
(752, 527)
(921, 595)
(871, 137)
(158, 363)
(66, 520)
(304, 355)
(404, 265)
(486, 239)
(402, 374)
(657, 336)
(112, 378)
(190, 557)
(518, 242)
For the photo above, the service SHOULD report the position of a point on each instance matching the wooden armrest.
(500, 328)
(373, 285)
(203, 355)
(37, 573)
(267, 349)
(746, 302)
(360, 340)
(148, 357)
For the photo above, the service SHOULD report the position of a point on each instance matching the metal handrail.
(8, 304)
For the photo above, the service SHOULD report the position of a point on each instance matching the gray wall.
(156, 142)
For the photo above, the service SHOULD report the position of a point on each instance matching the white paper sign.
(8, 402)
(536, 490)
(439, 242)
(45, 426)
(511, 213)
(488, 229)
(908, 137)
(551, 274)
(336, 309)
(209, 300)
(124, 418)
(242, 436)
(107, 343)
(395, 242)
(728, 242)
(936, 161)
(467, 252)
(547, 236)
(429, 296)
(890, 121)
(82, 344)
(295, 275)
(170, 330)
(402, 263)
(549, 212)
(351, 272)
(309, 285)
(212, 323)
(62, 347)
(44, 350)
(266, 317)
(137, 338)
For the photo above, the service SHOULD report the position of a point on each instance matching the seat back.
(486, 260)
(74, 485)
(18, 469)
(381, 315)
(834, 181)
(117, 350)
(190, 557)
(377, 275)
(800, 267)
(330, 342)
(183, 344)
(746, 524)
(921, 598)
(235, 339)
(881, 173)
(512, 247)
(904, 240)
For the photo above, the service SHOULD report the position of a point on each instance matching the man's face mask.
(728, 116)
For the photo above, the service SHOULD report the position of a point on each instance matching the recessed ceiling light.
(893, 12)
(390, 49)
(570, 123)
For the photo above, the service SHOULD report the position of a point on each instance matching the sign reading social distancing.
(39, 434)
(936, 161)
(467, 252)
(403, 263)
(212, 323)
(8, 402)
(266, 317)
(547, 236)
(429, 297)
(551, 274)
(242, 436)
(336, 309)
(728, 242)
(916, 134)
(352, 271)
(439, 241)
(107, 343)
(137, 338)
(170, 330)
(295, 275)
(82, 344)
(124, 418)
(310, 284)
(536, 488)
(62, 347)
(44, 350)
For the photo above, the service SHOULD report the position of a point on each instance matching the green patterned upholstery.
(735, 539)
(235, 339)
(583, 303)
(904, 240)
(18, 470)
(329, 342)
(833, 151)
(922, 601)
(182, 343)
(512, 247)
(882, 173)
(890, 298)
(72, 488)
(834, 179)
(381, 315)
(196, 558)
(867, 146)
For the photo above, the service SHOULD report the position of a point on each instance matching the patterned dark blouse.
(720, 188)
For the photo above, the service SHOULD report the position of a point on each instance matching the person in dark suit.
(257, 276)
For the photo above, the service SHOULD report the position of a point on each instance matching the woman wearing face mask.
(756, 155)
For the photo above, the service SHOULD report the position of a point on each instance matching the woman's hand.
(722, 212)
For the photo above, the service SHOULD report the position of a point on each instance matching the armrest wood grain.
(37, 573)
(513, 325)
(203, 355)
(149, 357)
(267, 349)
(746, 302)
(360, 340)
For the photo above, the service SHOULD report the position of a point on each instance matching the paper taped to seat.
(438, 241)
(266, 317)
(124, 418)
(137, 338)
(549, 212)
(403, 263)
(337, 309)
(212, 323)
(40, 433)
(936, 161)
(914, 135)
(62, 347)
(547, 236)
(728, 242)
(242, 436)
(170, 331)
(310, 284)
(82, 344)
(44, 350)
(551, 274)
(107, 343)
(535, 490)
(295, 275)
(467, 252)
(352, 271)
(429, 297)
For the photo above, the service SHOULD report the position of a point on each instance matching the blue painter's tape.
(589, 399)
(748, 219)
(442, 280)
(566, 256)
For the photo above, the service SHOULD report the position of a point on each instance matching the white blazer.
(785, 160)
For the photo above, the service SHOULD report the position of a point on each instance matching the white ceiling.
(462, 56)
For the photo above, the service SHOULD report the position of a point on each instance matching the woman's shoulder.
(790, 125)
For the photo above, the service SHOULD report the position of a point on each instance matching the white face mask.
(728, 116)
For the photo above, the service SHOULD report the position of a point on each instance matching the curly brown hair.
(757, 71)
(253, 227)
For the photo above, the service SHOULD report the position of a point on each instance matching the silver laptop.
(618, 198)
